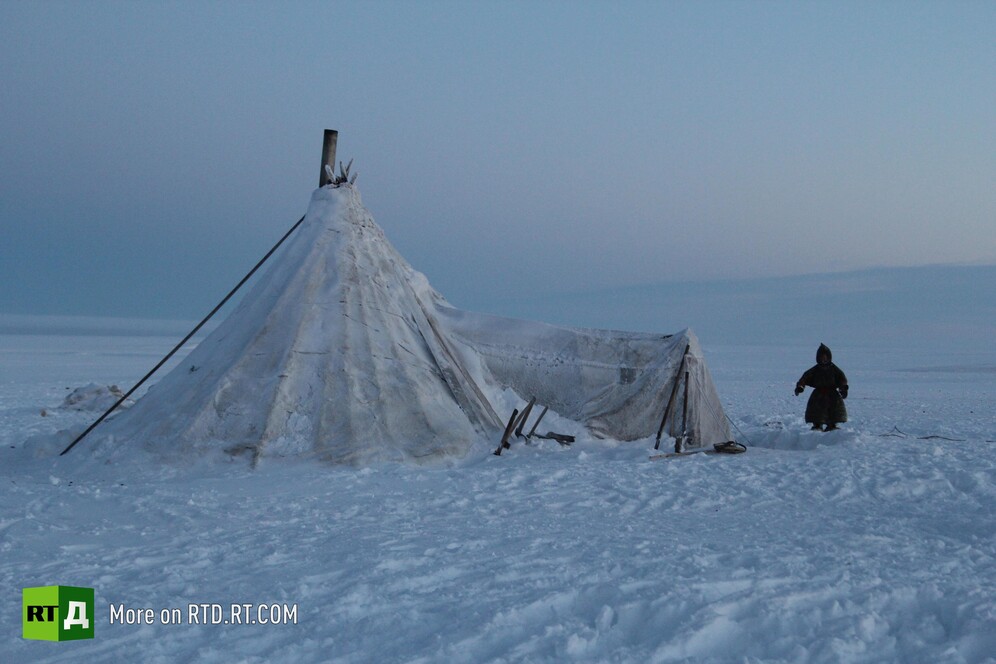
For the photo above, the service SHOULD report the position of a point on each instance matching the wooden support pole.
(680, 441)
(524, 417)
(508, 431)
(536, 424)
(670, 400)
(328, 155)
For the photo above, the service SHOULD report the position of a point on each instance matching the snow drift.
(343, 352)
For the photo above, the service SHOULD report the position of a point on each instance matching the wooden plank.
(672, 455)
(737, 448)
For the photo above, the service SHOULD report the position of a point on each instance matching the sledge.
(517, 422)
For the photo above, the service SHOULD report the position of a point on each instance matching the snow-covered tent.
(343, 352)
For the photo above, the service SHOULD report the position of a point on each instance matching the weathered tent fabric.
(343, 352)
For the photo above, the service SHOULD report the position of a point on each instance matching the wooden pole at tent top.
(328, 155)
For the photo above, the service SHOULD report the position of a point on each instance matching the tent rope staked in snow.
(343, 352)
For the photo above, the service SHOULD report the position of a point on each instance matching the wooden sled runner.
(730, 447)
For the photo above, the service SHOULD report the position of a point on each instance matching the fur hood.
(823, 350)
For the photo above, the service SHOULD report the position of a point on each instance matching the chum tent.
(343, 352)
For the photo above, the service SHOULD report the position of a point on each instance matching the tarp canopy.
(615, 383)
(343, 352)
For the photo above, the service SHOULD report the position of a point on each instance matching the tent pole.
(524, 417)
(185, 339)
(536, 423)
(670, 400)
(680, 441)
(508, 430)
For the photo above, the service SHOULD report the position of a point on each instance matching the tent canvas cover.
(343, 352)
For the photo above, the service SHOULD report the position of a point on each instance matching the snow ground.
(843, 547)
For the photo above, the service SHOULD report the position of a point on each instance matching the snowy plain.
(876, 543)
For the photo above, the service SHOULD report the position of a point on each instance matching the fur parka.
(825, 406)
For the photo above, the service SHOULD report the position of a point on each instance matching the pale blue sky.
(152, 152)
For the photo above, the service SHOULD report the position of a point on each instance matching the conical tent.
(343, 352)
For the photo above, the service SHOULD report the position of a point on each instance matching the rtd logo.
(57, 613)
